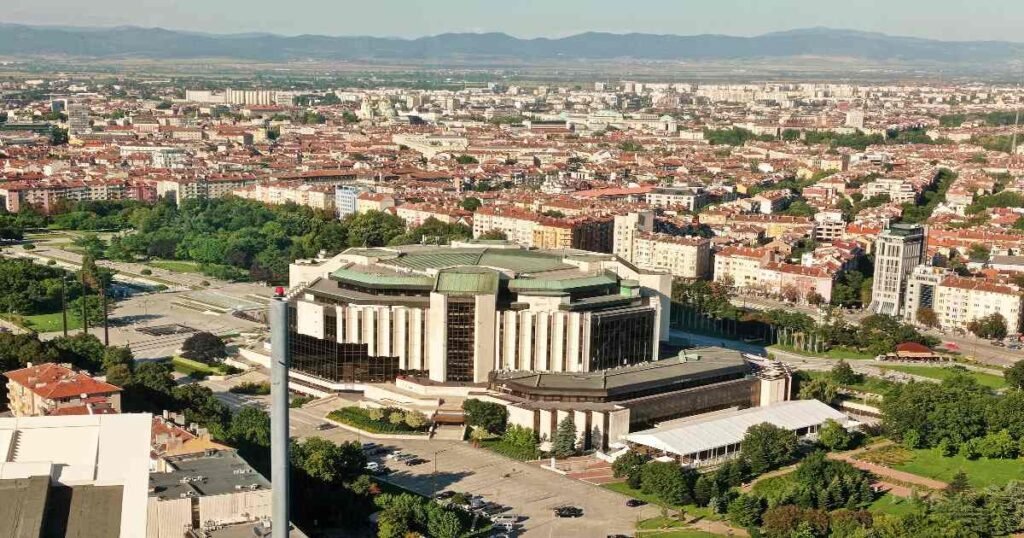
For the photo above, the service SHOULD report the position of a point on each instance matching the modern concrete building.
(898, 250)
(74, 476)
(455, 314)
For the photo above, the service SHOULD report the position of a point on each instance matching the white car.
(372, 466)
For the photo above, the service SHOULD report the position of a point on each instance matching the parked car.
(569, 511)
(446, 494)
(633, 503)
(325, 426)
(415, 461)
(372, 466)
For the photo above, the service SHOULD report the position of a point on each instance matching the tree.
(494, 235)
(564, 444)
(1014, 375)
(415, 419)
(629, 466)
(202, 407)
(119, 375)
(466, 159)
(990, 326)
(745, 510)
(487, 415)
(814, 298)
(768, 447)
(327, 461)
(668, 481)
(444, 524)
(204, 347)
(821, 389)
(834, 436)
(959, 484)
(115, 356)
(922, 415)
(471, 203)
(373, 228)
(790, 293)
(927, 317)
(842, 374)
(250, 426)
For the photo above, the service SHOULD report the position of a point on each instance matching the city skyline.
(952, 21)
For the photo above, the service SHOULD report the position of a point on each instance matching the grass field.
(45, 323)
(982, 472)
(891, 505)
(994, 381)
(177, 266)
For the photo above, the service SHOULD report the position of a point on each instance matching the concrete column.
(279, 461)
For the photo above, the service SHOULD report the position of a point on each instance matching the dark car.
(632, 503)
(415, 461)
(447, 494)
(569, 511)
(325, 426)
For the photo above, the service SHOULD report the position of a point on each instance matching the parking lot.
(526, 489)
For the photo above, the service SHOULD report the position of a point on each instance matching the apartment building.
(689, 198)
(959, 301)
(181, 189)
(684, 257)
(316, 197)
(56, 389)
(829, 226)
(900, 191)
(741, 266)
(626, 229)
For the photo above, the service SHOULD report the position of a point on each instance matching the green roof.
(467, 281)
(381, 280)
(561, 285)
(515, 260)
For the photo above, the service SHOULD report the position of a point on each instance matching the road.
(529, 490)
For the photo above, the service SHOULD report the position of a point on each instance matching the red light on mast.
(279, 291)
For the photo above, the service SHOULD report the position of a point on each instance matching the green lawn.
(891, 505)
(177, 266)
(674, 529)
(982, 472)
(189, 366)
(994, 381)
(46, 323)
(691, 509)
(834, 353)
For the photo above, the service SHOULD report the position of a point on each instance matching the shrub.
(146, 272)
(249, 387)
(361, 418)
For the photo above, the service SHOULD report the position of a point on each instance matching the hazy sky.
(942, 19)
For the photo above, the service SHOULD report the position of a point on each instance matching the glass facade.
(621, 338)
(460, 333)
(337, 362)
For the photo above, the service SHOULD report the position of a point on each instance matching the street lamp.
(433, 474)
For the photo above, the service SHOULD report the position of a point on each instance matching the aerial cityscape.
(721, 271)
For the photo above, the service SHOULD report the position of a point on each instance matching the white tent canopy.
(719, 430)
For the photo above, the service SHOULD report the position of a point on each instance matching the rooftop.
(222, 472)
(706, 432)
(690, 365)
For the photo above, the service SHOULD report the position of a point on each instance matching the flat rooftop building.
(74, 475)
(454, 314)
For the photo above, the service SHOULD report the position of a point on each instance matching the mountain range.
(157, 43)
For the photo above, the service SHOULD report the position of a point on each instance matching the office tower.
(898, 250)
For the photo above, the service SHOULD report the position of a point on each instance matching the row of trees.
(956, 415)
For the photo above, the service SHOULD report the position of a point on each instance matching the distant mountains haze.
(156, 43)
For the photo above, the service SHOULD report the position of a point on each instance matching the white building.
(898, 250)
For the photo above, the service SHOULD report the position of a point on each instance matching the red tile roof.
(54, 382)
